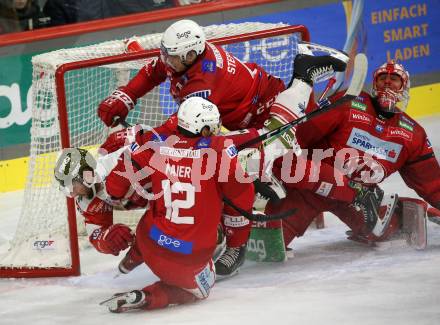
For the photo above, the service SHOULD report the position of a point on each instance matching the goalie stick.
(260, 217)
(356, 85)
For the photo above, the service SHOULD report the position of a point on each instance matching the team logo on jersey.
(232, 151)
(134, 146)
(158, 137)
(203, 143)
(324, 189)
(359, 106)
(364, 169)
(407, 120)
(356, 116)
(208, 66)
(205, 93)
(399, 132)
(364, 141)
(406, 125)
(379, 128)
(184, 78)
(169, 242)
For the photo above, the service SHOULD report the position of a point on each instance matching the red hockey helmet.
(391, 86)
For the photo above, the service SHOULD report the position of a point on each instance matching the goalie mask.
(75, 165)
(195, 113)
(181, 38)
(391, 86)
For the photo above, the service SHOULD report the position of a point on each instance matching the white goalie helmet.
(182, 37)
(195, 113)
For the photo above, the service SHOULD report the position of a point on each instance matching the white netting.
(43, 221)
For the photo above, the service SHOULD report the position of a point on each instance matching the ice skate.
(230, 262)
(122, 302)
(312, 69)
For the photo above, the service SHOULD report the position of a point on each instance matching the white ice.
(331, 280)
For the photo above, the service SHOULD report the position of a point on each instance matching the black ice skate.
(311, 69)
(230, 262)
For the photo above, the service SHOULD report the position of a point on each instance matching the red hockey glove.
(113, 239)
(121, 138)
(116, 105)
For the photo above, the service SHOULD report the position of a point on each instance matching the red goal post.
(67, 86)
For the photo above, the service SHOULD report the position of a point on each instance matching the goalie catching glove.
(118, 104)
(112, 239)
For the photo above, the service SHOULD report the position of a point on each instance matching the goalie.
(369, 138)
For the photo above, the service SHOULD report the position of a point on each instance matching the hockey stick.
(330, 84)
(356, 85)
(260, 217)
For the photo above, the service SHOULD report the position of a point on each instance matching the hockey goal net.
(68, 85)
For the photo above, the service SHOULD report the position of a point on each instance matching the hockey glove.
(118, 104)
(112, 239)
(121, 138)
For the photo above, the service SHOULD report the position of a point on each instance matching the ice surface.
(331, 280)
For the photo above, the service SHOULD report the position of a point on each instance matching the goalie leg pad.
(266, 243)
(414, 222)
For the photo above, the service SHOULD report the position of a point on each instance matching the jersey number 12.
(173, 206)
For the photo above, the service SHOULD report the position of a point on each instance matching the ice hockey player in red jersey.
(191, 171)
(246, 95)
(368, 139)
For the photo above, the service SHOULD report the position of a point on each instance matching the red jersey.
(189, 177)
(98, 210)
(369, 147)
(242, 92)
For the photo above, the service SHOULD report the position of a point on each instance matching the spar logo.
(44, 245)
(371, 145)
(364, 169)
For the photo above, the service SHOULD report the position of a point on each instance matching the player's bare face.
(79, 189)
